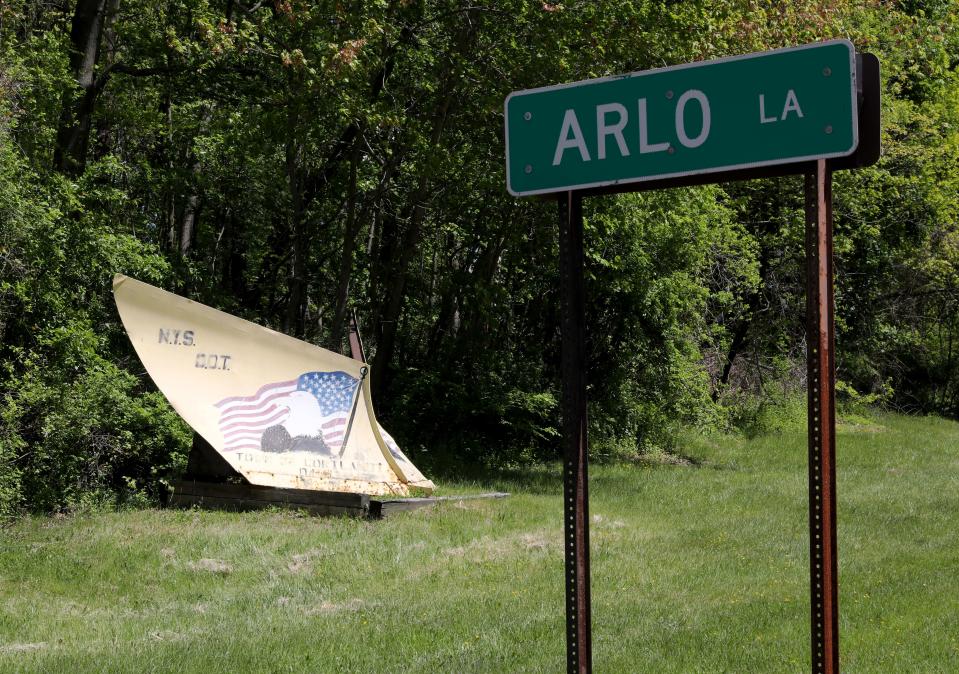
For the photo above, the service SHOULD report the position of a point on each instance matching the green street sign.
(776, 107)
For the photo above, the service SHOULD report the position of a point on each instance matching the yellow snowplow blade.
(281, 412)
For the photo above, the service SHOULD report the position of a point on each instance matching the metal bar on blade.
(356, 341)
(823, 573)
(575, 443)
(356, 399)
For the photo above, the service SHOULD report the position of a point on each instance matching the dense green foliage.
(288, 161)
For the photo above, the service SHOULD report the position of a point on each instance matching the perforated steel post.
(575, 444)
(823, 574)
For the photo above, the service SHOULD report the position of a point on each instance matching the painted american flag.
(325, 410)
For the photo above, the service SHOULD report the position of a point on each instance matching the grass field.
(696, 568)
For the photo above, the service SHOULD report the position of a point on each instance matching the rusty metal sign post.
(555, 126)
(575, 441)
(821, 414)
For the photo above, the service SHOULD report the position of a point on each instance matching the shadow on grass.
(531, 479)
(547, 478)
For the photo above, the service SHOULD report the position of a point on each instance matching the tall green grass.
(695, 568)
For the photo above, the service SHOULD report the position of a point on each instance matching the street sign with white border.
(743, 112)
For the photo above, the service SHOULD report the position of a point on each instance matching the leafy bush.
(73, 421)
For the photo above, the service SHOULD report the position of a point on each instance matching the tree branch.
(124, 69)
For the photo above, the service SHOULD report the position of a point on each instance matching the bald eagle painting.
(308, 414)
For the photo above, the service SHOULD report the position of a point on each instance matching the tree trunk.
(396, 284)
(73, 130)
(739, 339)
(742, 329)
(449, 305)
(370, 212)
(104, 137)
(191, 208)
(350, 231)
(188, 223)
(293, 321)
(396, 296)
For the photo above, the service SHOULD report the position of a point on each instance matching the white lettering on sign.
(645, 147)
(763, 119)
(570, 123)
(791, 105)
(700, 98)
(615, 130)
(571, 134)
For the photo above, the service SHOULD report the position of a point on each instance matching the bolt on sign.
(776, 107)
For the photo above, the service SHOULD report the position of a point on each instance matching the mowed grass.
(695, 568)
